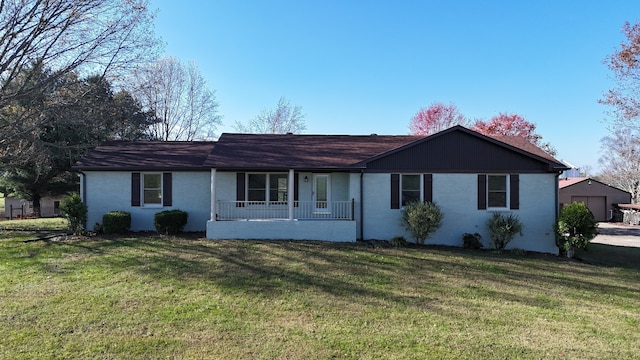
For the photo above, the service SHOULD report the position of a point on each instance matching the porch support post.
(290, 190)
(213, 195)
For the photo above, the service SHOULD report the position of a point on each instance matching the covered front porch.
(293, 205)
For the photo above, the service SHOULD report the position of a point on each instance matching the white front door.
(321, 192)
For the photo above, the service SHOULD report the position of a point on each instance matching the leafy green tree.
(79, 113)
(422, 219)
(575, 228)
(75, 211)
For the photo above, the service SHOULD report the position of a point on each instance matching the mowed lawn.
(152, 297)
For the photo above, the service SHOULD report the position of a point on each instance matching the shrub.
(503, 228)
(116, 222)
(421, 219)
(170, 221)
(472, 241)
(75, 211)
(399, 241)
(575, 227)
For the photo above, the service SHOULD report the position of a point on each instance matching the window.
(410, 188)
(152, 189)
(278, 187)
(497, 191)
(267, 187)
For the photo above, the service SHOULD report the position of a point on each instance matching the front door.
(321, 192)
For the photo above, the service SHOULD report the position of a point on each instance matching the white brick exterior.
(455, 193)
(457, 196)
(327, 230)
(106, 191)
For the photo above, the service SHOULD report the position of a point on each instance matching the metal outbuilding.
(599, 197)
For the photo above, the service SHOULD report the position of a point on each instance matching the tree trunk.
(36, 205)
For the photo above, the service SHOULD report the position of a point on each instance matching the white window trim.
(267, 189)
(151, 205)
(508, 193)
(421, 187)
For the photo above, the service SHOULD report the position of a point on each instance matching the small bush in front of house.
(170, 221)
(575, 227)
(116, 222)
(75, 211)
(421, 219)
(399, 241)
(503, 228)
(472, 241)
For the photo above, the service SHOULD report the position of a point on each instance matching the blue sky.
(361, 67)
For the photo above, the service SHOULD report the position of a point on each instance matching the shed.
(599, 197)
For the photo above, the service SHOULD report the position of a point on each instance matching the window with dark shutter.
(167, 192)
(135, 189)
(395, 191)
(240, 189)
(514, 190)
(482, 191)
(427, 187)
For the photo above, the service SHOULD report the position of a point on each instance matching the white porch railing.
(303, 210)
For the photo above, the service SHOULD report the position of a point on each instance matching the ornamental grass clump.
(422, 219)
(503, 228)
(575, 228)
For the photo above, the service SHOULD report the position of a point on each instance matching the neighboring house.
(16, 208)
(328, 187)
(599, 197)
(571, 172)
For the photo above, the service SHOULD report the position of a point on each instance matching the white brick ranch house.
(328, 187)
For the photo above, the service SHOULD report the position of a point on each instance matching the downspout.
(361, 205)
(83, 192)
(557, 196)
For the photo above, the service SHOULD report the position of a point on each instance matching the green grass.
(164, 297)
(42, 224)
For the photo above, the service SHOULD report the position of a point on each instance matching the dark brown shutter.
(240, 184)
(395, 191)
(427, 187)
(167, 191)
(295, 189)
(514, 188)
(482, 191)
(135, 189)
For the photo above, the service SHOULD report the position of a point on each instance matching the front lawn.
(164, 297)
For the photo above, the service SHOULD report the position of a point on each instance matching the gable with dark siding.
(460, 152)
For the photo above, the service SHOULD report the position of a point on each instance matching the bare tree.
(621, 161)
(624, 98)
(186, 109)
(42, 41)
(281, 120)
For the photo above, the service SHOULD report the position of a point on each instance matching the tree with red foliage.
(435, 118)
(508, 124)
(512, 125)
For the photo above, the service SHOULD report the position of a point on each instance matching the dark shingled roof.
(251, 151)
(272, 152)
(522, 143)
(147, 155)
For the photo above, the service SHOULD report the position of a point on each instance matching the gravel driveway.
(618, 234)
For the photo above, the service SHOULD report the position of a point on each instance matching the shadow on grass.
(417, 276)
